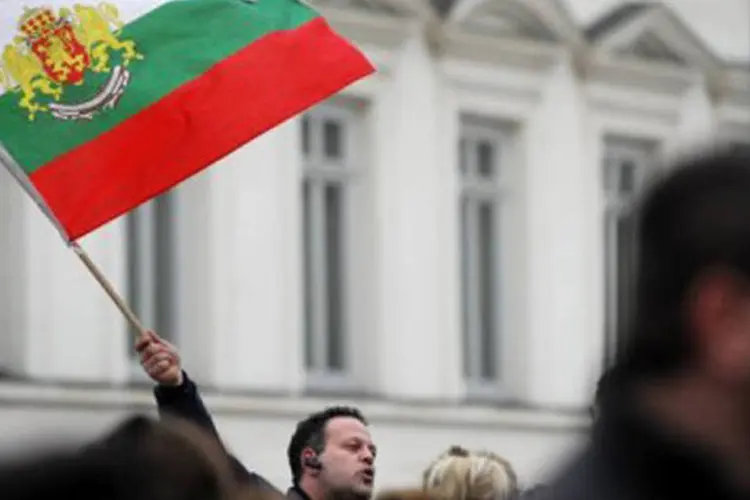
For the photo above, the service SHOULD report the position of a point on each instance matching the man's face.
(722, 321)
(348, 459)
(739, 347)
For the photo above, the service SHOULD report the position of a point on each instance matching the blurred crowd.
(171, 459)
(671, 419)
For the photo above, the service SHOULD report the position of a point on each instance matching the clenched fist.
(159, 359)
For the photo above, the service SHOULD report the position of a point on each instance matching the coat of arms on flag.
(53, 53)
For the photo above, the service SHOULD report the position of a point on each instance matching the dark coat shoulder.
(185, 402)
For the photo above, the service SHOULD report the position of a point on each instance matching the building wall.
(239, 288)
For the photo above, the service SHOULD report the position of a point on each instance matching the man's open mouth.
(368, 475)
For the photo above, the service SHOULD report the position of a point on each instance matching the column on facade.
(419, 341)
(561, 179)
(72, 330)
(251, 294)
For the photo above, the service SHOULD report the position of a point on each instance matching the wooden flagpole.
(15, 170)
(104, 282)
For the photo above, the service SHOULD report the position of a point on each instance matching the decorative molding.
(655, 45)
(648, 111)
(384, 412)
(500, 91)
(415, 7)
(434, 35)
(528, 34)
(518, 47)
(383, 23)
(650, 47)
(659, 79)
(506, 20)
(525, 54)
(521, 86)
(735, 87)
(733, 119)
(657, 21)
(393, 8)
(536, 20)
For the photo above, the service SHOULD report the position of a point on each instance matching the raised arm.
(178, 396)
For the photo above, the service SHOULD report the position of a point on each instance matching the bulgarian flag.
(98, 115)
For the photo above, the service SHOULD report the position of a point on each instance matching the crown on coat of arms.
(38, 22)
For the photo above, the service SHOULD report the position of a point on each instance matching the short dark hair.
(693, 219)
(311, 433)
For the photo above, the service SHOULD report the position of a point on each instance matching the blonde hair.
(459, 474)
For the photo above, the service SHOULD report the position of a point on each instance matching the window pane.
(620, 262)
(626, 163)
(487, 299)
(627, 177)
(626, 262)
(134, 259)
(326, 241)
(141, 259)
(164, 261)
(462, 156)
(485, 159)
(306, 135)
(465, 287)
(611, 175)
(610, 276)
(332, 139)
(334, 257)
(150, 248)
(307, 254)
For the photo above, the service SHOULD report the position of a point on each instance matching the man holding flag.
(99, 114)
(331, 454)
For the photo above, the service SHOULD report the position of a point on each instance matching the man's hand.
(160, 360)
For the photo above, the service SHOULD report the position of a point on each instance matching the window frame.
(321, 173)
(616, 207)
(475, 190)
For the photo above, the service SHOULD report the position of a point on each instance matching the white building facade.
(444, 244)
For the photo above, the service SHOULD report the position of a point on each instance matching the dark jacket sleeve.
(186, 403)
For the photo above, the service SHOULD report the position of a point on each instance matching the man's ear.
(311, 461)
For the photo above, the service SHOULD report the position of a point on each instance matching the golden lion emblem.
(53, 50)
